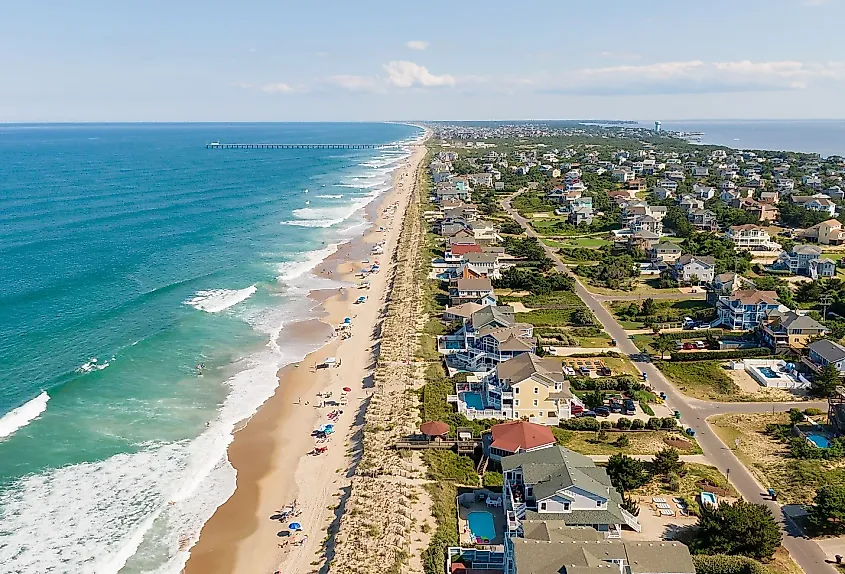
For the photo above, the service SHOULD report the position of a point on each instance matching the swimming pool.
(769, 372)
(818, 440)
(708, 498)
(481, 525)
(473, 401)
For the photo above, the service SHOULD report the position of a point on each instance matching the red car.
(689, 346)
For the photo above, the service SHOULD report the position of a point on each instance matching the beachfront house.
(825, 352)
(817, 202)
(798, 259)
(478, 290)
(822, 267)
(489, 336)
(746, 309)
(530, 387)
(513, 437)
(564, 487)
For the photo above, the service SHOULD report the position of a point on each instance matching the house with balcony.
(693, 269)
(751, 237)
(703, 219)
(703, 192)
(789, 330)
(530, 387)
(480, 265)
(472, 290)
(825, 352)
(744, 310)
(818, 202)
(689, 203)
(664, 252)
(488, 337)
(825, 233)
(564, 488)
(798, 259)
(514, 437)
(822, 267)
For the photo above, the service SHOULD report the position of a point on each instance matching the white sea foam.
(216, 300)
(292, 269)
(339, 196)
(23, 415)
(93, 364)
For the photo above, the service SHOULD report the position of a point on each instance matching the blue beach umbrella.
(295, 526)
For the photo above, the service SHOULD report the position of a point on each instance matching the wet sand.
(270, 452)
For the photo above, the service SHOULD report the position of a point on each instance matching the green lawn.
(688, 484)
(704, 380)
(834, 256)
(592, 242)
(644, 343)
(666, 311)
(586, 442)
(643, 287)
(547, 317)
(554, 300)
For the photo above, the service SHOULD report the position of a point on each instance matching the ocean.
(825, 137)
(130, 255)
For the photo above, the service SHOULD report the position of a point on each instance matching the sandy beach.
(270, 453)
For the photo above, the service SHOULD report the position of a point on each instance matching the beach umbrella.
(295, 526)
(347, 390)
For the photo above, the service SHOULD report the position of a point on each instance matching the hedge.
(724, 564)
(646, 409)
(692, 334)
(620, 383)
(720, 355)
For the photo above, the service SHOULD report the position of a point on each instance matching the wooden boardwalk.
(218, 145)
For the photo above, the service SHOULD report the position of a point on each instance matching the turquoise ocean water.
(129, 254)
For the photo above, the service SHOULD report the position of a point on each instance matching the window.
(516, 403)
(516, 390)
(542, 506)
(536, 390)
(535, 402)
(598, 503)
(566, 505)
(516, 415)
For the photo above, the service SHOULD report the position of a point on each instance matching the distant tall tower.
(657, 126)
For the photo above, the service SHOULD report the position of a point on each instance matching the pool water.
(473, 401)
(769, 373)
(818, 440)
(481, 525)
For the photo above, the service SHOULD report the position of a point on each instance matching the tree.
(583, 316)
(666, 461)
(631, 505)
(796, 416)
(828, 513)
(666, 280)
(626, 473)
(594, 399)
(649, 307)
(663, 345)
(825, 381)
(740, 528)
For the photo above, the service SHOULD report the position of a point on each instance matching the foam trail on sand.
(216, 300)
(293, 269)
(23, 415)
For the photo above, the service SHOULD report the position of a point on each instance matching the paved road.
(804, 551)
(642, 296)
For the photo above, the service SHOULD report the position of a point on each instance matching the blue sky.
(185, 60)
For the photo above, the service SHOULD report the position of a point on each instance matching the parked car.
(700, 345)
(587, 414)
(567, 370)
(629, 407)
(616, 407)
(689, 347)
(602, 411)
(584, 371)
(605, 371)
(576, 410)
(679, 345)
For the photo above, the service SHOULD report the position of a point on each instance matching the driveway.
(807, 553)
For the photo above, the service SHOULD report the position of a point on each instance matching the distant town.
(626, 335)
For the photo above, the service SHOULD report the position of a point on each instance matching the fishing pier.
(218, 145)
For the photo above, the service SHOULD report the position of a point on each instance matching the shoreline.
(240, 537)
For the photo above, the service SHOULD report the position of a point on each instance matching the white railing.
(631, 520)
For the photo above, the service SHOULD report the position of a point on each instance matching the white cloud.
(697, 76)
(403, 74)
(277, 88)
(417, 44)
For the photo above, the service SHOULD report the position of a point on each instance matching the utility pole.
(826, 300)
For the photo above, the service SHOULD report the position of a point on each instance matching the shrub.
(623, 441)
(720, 355)
(580, 423)
(813, 412)
(646, 408)
(724, 564)
(623, 423)
(654, 423)
(492, 478)
(606, 425)
(637, 424)
(601, 436)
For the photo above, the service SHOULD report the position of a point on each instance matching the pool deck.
(498, 522)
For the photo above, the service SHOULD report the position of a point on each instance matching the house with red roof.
(514, 437)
